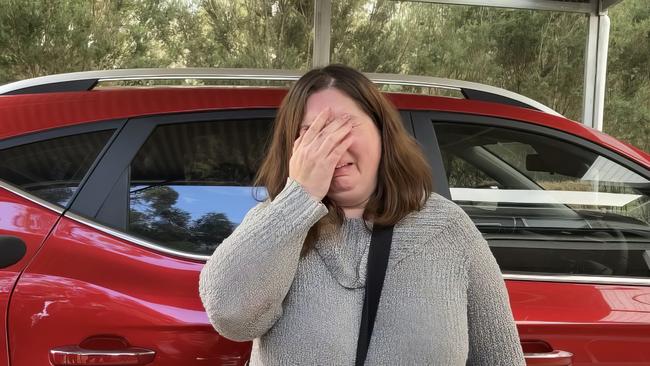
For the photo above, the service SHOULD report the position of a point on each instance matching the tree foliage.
(535, 53)
(154, 215)
(627, 99)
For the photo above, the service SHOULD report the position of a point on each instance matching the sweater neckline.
(344, 252)
(354, 221)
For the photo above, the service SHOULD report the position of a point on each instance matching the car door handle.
(77, 356)
(552, 358)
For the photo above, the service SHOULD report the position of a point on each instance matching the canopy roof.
(596, 43)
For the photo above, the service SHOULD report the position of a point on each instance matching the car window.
(191, 183)
(547, 206)
(52, 169)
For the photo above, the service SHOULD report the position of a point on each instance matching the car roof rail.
(87, 80)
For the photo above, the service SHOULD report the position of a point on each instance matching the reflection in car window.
(462, 174)
(52, 169)
(548, 206)
(191, 184)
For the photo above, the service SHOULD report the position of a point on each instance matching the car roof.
(29, 113)
(90, 80)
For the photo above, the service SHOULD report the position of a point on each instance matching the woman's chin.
(340, 185)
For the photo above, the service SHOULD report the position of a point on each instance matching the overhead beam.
(322, 32)
(551, 5)
(606, 4)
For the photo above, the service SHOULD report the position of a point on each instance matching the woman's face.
(355, 177)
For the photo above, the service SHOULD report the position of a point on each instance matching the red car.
(112, 198)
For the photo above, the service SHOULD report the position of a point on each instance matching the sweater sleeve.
(493, 337)
(244, 282)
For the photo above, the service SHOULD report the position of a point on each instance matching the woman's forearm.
(244, 282)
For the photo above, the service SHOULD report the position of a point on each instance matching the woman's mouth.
(342, 169)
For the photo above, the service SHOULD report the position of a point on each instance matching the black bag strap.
(382, 237)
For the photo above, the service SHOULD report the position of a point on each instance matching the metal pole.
(596, 70)
(590, 72)
(322, 32)
(601, 70)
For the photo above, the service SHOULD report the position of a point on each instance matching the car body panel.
(439, 104)
(31, 223)
(601, 324)
(604, 325)
(36, 112)
(85, 282)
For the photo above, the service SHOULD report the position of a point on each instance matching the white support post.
(601, 71)
(595, 70)
(590, 72)
(322, 32)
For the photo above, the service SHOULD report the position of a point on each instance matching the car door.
(117, 280)
(569, 224)
(39, 175)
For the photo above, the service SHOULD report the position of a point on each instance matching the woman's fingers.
(332, 133)
(335, 124)
(296, 144)
(333, 139)
(316, 152)
(340, 149)
(316, 126)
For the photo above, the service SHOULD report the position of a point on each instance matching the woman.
(292, 275)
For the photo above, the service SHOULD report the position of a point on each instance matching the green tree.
(256, 34)
(54, 36)
(627, 102)
(535, 53)
(538, 54)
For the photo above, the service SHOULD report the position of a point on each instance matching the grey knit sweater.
(444, 301)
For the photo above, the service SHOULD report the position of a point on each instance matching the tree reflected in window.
(191, 183)
(154, 215)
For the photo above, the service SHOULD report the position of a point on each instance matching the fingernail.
(346, 116)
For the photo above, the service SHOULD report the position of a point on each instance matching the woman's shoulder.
(440, 223)
(437, 213)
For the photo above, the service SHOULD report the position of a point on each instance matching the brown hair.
(404, 179)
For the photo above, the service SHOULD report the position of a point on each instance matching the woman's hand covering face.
(317, 151)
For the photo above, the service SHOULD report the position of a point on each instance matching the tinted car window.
(191, 183)
(52, 169)
(548, 206)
